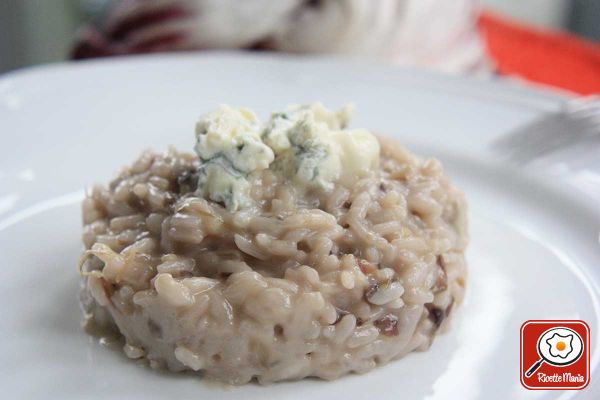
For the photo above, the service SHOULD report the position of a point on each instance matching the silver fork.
(578, 122)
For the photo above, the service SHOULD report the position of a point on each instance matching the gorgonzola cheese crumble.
(308, 145)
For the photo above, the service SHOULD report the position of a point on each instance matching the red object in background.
(548, 57)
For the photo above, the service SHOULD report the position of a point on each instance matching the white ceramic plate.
(534, 251)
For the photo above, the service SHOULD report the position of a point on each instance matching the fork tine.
(578, 121)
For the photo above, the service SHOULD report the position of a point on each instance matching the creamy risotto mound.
(277, 250)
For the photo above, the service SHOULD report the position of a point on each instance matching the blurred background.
(42, 31)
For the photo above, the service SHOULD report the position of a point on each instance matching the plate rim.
(510, 90)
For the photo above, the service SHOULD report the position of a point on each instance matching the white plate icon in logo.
(559, 347)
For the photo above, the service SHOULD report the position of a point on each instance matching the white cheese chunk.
(358, 151)
(229, 144)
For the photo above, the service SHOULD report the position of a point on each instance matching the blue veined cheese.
(314, 148)
(308, 145)
(279, 127)
(230, 148)
(309, 159)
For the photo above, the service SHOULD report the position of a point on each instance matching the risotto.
(278, 250)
